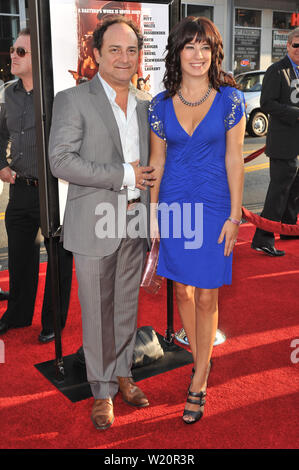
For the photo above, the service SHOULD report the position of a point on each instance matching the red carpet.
(252, 400)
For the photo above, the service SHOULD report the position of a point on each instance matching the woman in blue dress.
(197, 133)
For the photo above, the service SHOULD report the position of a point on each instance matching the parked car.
(251, 85)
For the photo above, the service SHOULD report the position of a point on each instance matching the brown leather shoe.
(102, 413)
(132, 394)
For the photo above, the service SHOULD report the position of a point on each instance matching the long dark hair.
(184, 32)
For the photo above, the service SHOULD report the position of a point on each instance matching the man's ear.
(96, 54)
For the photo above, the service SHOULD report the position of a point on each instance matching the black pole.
(169, 334)
(175, 13)
(41, 51)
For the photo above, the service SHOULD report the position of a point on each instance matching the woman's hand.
(230, 232)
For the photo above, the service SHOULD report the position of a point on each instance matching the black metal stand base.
(76, 388)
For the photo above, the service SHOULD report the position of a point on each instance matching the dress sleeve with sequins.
(234, 107)
(156, 112)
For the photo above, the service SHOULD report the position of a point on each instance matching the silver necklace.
(195, 103)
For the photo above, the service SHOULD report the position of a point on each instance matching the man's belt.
(132, 202)
(27, 180)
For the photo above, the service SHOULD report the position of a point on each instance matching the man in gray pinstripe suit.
(99, 143)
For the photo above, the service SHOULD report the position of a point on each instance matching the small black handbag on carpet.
(147, 348)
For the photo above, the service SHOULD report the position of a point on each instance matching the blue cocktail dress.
(194, 197)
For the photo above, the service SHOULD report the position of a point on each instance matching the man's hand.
(7, 175)
(143, 177)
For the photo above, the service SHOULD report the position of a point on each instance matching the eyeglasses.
(19, 50)
(296, 45)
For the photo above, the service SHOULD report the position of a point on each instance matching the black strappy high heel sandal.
(196, 415)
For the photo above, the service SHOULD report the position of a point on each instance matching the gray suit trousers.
(108, 294)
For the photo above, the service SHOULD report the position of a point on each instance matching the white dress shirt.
(129, 136)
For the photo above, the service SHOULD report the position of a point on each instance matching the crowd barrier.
(261, 222)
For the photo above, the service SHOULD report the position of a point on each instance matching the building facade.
(13, 15)
(254, 31)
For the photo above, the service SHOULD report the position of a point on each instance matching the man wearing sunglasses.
(22, 218)
(280, 99)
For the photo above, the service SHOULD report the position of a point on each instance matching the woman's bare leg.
(206, 322)
(186, 306)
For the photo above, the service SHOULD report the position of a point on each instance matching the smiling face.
(118, 57)
(294, 51)
(22, 66)
(196, 58)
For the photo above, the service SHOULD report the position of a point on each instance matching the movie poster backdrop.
(72, 25)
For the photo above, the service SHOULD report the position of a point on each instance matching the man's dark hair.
(102, 28)
(24, 32)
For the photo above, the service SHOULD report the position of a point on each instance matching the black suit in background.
(278, 99)
(22, 220)
(22, 217)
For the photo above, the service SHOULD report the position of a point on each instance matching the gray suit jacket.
(85, 150)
